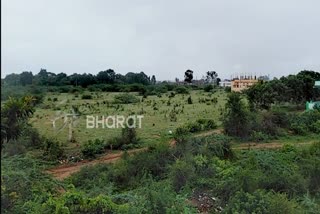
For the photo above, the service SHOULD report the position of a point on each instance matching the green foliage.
(180, 173)
(258, 136)
(92, 148)
(53, 150)
(14, 115)
(208, 88)
(181, 90)
(125, 98)
(128, 139)
(86, 97)
(22, 181)
(199, 125)
(189, 101)
(306, 122)
(262, 202)
(236, 119)
(74, 201)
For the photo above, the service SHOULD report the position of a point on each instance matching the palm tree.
(14, 114)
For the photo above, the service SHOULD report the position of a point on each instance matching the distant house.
(225, 83)
(242, 83)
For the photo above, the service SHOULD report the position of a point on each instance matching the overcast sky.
(164, 37)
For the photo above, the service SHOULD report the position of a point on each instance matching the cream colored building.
(241, 84)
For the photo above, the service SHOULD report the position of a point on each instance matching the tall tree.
(107, 76)
(188, 76)
(153, 80)
(236, 119)
(212, 77)
(12, 79)
(26, 78)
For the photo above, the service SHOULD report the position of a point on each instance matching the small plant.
(173, 116)
(86, 97)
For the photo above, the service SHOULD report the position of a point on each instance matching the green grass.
(156, 124)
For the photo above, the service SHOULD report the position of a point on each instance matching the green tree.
(153, 80)
(14, 115)
(26, 78)
(236, 118)
(107, 76)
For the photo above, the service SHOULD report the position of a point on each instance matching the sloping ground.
(63, 171)
(273, 145)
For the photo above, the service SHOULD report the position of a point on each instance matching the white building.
(225, 83)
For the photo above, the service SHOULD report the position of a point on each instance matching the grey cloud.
(161, 37)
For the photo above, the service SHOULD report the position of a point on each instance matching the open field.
(156, 123)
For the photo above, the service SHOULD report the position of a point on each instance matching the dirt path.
(63, 171)
(274, 145)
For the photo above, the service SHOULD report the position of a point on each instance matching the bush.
(92, 148)
(207, 124)
(262, 202)
(125, 98)
(181, 90)
(258, 136)
(208, 88)
(189, 101)
(86, 97)
(53, 150)
(298, 128)
(180, 173)
(127, 140)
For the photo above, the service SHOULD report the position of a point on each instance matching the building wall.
(239, 85)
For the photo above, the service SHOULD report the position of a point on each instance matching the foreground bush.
(262, 202)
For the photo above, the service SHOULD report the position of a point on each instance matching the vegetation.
(192, 157)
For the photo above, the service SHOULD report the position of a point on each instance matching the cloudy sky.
(164, 37)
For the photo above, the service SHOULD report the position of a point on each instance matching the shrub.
(180, 173)
(53, 150)
(259, 136)
(194, 127)
(86, 97)
(128, 139)
(125, 98)
(315, 127)
(92, 148)
(262, 202)
(219, 146)
(189, 101)
(181, 90)
(207, 124)
(173, 116)
(298, 128)
(208, 88)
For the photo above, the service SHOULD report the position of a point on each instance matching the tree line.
(294, 89)
(45, 78)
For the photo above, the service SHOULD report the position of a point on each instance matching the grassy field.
(156, 123)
